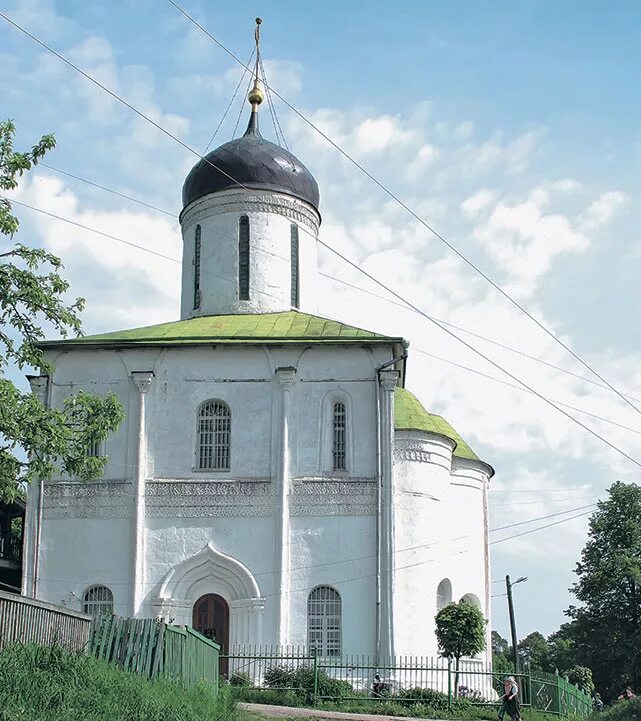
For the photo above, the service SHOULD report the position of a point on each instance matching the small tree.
(460, 631)
(36, 441)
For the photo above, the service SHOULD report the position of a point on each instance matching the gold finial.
(256, 96)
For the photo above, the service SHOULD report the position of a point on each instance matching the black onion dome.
(252, 162)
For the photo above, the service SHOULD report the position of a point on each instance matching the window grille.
(338, 445)
(294, 266)
(243, 257)
(97, 601)
(324, 612)
(197, 268)
(214, 433)
(93, 449)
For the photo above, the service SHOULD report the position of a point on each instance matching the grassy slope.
(43, 684)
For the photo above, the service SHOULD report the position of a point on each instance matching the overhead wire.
(540, 528)
(166, 132)
(418, 218)
(231, 102)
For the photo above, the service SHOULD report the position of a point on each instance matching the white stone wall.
(271, 216)
(439, 534)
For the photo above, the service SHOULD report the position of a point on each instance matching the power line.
(333, 250)
(108, 190)
(540, 528)
(417, 217)
(534, 520)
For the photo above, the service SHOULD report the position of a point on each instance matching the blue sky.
(512, 127)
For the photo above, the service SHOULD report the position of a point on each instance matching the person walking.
(597, 702)
(511, 704)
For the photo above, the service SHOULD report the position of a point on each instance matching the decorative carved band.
(255, 202)
(333, 498)
(413, 451)
(87, 500)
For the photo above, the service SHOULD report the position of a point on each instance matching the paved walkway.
(314, 713)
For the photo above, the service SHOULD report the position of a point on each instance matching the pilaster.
(33, 515)
(142, 380)
(387, 380)
(286, 378)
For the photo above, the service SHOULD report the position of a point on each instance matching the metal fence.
(432, 681)
(154, 648)
(26, 620)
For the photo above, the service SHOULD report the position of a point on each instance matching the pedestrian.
(510, 699)
(597, 702)
(627, 695)
(378, 686)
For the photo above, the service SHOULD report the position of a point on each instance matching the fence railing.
(406, 679)
(155, 649)
(26, 620)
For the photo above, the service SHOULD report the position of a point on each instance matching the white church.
(274, 482)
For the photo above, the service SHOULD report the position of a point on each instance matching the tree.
(501, 650)
(606, 627)
(581, 676)
(534, 651)
(37, 441)
(460, 631)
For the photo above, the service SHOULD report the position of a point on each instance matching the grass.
(51, 684)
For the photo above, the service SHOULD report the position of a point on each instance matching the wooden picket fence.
(155, 649)
(26, 620)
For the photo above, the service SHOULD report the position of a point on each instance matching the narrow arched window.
(97, 600)
(443, 594)
(197, 268)
(324, 612)
(214, 435)
(339, 418)
(243, 257)
(294, 266)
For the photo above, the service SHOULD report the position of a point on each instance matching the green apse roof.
(287, 327)
(409, 415)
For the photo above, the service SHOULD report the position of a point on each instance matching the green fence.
(406, 680)
(155, 649)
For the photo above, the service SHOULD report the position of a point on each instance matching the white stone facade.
(402, 519)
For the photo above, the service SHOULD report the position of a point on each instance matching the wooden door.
(211, 618)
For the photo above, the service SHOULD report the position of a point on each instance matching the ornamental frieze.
(413, 451)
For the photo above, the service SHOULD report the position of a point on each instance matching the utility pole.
(510, 605)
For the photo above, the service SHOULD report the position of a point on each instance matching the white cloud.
(603, 209)
(475, 204)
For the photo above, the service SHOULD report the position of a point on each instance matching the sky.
(511, 128)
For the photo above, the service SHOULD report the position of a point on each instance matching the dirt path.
(313, 713)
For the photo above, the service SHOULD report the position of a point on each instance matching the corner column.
(387, 380)
(142, 380)
(32, 531)
(286, 377)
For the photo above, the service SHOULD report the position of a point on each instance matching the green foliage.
(240, 679)
(460, 630)
(49, 683)
(581, 676)
(36, 441)
(301, 681)
(622, 711)
(606, 627)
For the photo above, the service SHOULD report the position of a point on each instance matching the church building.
(274, 481)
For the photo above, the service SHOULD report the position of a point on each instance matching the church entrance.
(211, 618)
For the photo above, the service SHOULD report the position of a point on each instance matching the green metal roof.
(287, 327)
(409, 415)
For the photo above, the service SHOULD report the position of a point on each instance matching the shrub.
(301, 680)
(428, 697)
(622, 711)
(241, 679)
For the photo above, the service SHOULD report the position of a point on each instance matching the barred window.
(339, 417)
(243, 257)
(443, 594)
(197, 268)
(97, 600)
(294, 266)
(93, 449)
(324, 612)
(214, 433)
